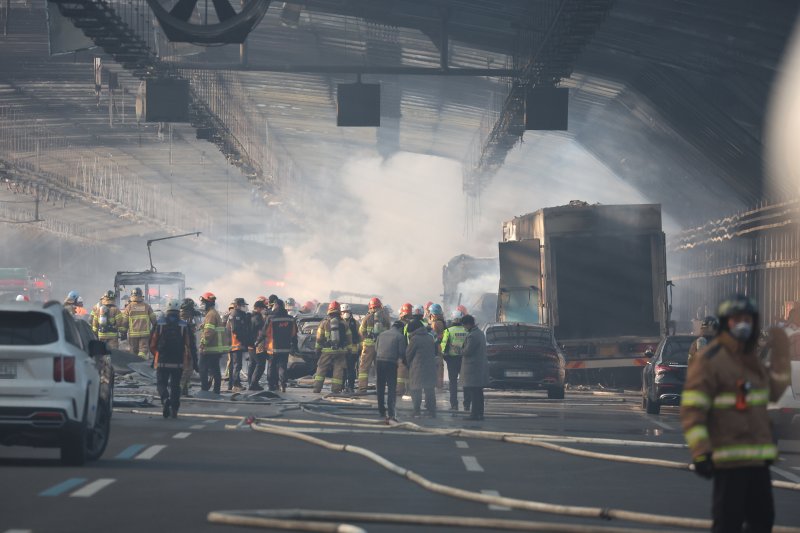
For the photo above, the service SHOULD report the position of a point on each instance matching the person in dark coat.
(390, 348)
(421, 358)
(474, 367)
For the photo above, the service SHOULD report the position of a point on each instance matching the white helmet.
(21, 298)
(173, 305)
(418, 311)
(345, 308)
(456, 315)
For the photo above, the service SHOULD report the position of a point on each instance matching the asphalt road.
(167, 475)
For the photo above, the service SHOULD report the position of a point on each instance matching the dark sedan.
(524, 356)
(664, 375)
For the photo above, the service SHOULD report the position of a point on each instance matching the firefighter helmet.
(463, 310)
(173, 305)
(738, 304)
(428, 305)
(261, 299)
(22, 298)
(375, 303)
(418, 311)
(72, 295)
(334, 307)
(137, 295)
(710, 323)
(345, 308)
(456, 315)
(405, 309)
(435, 309)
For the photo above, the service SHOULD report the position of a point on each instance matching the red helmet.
(208, 296)
(261, 299)
(375, 303)
(462, 309)
(406, 309)
(427, 305)
(334, 307)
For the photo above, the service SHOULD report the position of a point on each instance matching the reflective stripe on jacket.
(453, 340)
(372, 325)
(139, 319)
(326, 341)
(213, 333)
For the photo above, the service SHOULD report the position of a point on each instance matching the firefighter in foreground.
(372, 325)
(333, 340)
(212, 344)
(725, 421)
(138, 320)
(452, 342)
(189, 314)
(172, 347)
(708, 329)
(281, 340)
(107, 320)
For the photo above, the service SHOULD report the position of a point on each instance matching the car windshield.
(26, 329)
(676, 350)
(518, 334)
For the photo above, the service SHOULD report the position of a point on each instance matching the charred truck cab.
(596, 274)
(158, 287)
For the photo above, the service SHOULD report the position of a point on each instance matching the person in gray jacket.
(390, 347)
(421, 359)
(474, 367)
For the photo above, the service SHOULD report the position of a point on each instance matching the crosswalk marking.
(151, 452)
(130, 451)
(18, 531)
(211, 421)
(197, 426)
(63, 487)
(471, 463)
(92, 488)
(181, 435)
(492, 506)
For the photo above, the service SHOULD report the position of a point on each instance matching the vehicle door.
(86, 371)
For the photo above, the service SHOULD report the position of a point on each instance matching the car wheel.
(97, 437)
(652, 407)
(73, 446)
(556, 393)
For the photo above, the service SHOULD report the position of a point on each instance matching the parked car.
(56, 382)
(304, 362)
(524, 356)
(664, 375)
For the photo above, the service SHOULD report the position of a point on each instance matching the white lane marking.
(788, 475)
(92, 488)
(18, 531)
(151, 452)
(197, 426)
(471, 463)
(181, 435)
(211, 421)
(491, 505)
(462, 444)
(231, 410)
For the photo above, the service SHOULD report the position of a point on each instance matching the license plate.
(519, 374)
(8, 370)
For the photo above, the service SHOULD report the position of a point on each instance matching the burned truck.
(471, 282)
(596, 274)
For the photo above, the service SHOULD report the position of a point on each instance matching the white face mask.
(742, 330)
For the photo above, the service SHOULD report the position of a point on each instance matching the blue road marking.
(61, 488)
(130, 451)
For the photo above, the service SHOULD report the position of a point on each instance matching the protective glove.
(703, 466)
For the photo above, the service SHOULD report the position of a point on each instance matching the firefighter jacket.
(187, 356)
(280, 333)
(333, 336)
(724, 401)
(354, 335)
(258, 324)
(239, 330)
(372, 325)
(139, 319)
(107, 321)
(453, 340)
(212, 338)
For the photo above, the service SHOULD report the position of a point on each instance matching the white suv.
(56, 383)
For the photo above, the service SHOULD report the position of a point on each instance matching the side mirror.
(98, 348)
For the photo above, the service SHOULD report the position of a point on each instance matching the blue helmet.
(435, 309)
(73, 295)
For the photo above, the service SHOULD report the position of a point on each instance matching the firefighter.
(107, 320)
(258, 357)
(450, 346)
(724, 416)
(402, 368)
(333, 341)
(70, 302)
(239, 330)
(708, 328)
(189, 314)
(212, 344)
(353, 350)
(281, 340)
(80, 310)
(437, 327)
(171, 345)
(372, 325)
(138, 320)
(291, 307)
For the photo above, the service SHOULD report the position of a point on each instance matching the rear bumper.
(35, 426)
(509, 375)
(668, 393)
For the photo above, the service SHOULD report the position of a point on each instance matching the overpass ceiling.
(669, 95)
